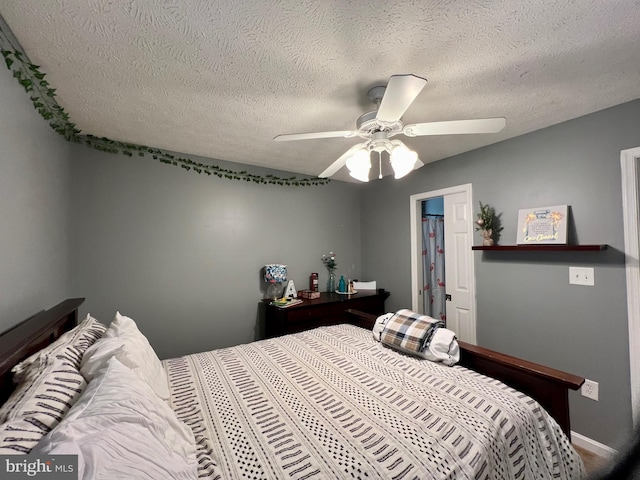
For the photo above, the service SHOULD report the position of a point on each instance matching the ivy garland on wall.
(42, 96)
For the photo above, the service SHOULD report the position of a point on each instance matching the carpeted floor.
(592, 462)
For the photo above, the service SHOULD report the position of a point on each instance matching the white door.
(459, 271)
(458, 255)
(630, 165)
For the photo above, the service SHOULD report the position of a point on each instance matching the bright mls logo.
(53, 467)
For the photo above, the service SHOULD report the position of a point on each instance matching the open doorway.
(459, 281)
(433, 276)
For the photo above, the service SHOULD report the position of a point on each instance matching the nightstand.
(329, 309)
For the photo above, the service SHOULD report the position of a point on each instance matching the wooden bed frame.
(548, 386)
(26, 338)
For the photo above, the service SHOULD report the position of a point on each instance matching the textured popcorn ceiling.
(220, 79)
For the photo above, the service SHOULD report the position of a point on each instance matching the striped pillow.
(40, 401)
(88, 332)
(82, 336)
(409, 332)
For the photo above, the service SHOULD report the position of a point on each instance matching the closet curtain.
(433, 289)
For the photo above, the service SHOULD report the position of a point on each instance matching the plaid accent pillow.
(409, 331)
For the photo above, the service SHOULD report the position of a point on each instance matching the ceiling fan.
(378, 126)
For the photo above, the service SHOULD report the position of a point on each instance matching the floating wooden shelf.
(542, 248)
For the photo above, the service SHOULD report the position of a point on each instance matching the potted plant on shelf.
(489, 225)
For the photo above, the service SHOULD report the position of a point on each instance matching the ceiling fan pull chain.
(380, 165)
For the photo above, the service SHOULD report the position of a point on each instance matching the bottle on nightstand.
(342, 285)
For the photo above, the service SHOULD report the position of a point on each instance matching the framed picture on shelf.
(543, 225)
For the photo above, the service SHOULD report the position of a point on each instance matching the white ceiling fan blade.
(340, 162)
(401, 91)
(482, 125)
(308, 136)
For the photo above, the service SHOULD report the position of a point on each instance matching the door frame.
(630, 169)
(415, 202)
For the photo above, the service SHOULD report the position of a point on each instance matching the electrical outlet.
(581, 276)
(590, 390)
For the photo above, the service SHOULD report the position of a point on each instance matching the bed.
(334, 403)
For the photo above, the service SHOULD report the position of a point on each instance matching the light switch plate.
(581, 276)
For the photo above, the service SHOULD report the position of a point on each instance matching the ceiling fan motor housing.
(380, 142)
(368, 124)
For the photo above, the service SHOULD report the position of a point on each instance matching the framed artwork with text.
(542, 225)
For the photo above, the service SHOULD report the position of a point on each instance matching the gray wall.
(34, 208)
(182, 254)
(526, 306)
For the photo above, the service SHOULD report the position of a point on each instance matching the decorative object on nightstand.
(330, 262)
(313, 282)
(309, 294)
(342, 285)
(331, 282)
(275, 274)
(370, 285)
(285, 302)
(290, 292)
(488, 223)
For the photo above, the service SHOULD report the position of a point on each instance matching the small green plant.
(487, 219)
(488, 222)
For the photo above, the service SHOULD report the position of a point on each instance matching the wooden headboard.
(26, 338)
(548, 386)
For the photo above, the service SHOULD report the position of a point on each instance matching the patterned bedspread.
(332, 403)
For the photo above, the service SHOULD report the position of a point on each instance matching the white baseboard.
(593, 446)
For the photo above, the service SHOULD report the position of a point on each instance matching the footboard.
(548, 386)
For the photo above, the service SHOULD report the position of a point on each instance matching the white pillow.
(120, 429)
(124, 341)
(121, 325)
(443, 348)
(378, 327)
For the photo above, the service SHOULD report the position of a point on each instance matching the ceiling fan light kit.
(378, 126)
(359, 164)
(402, 160)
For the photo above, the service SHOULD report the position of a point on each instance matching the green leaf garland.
(42, 96)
